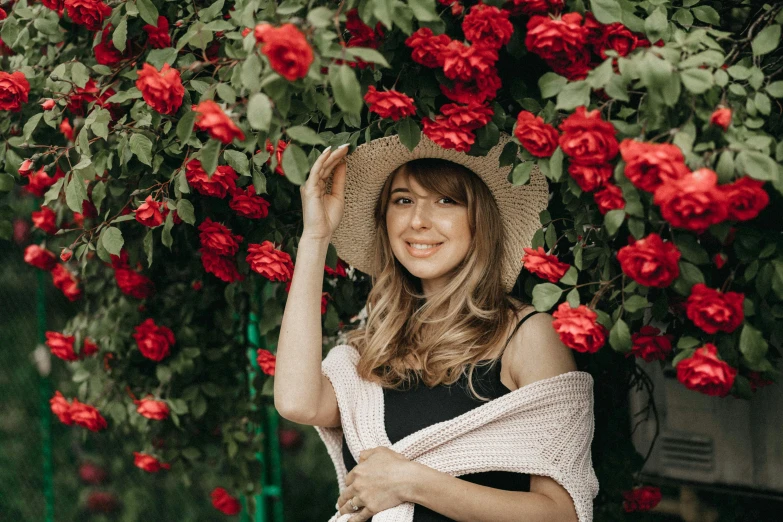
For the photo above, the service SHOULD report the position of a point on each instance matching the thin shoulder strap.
(517, 327)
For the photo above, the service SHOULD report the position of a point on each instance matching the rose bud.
(65, 255)
(48, 104)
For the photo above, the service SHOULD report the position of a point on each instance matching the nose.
(421, 216)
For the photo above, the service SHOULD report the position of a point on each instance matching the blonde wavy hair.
(451, 332)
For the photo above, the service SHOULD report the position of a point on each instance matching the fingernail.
(343, 146)
(326, 149)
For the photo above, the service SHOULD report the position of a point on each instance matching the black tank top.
(410, 410)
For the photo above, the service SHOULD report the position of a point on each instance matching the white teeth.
(421, 246)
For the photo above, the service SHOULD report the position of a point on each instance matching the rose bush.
(167, 141)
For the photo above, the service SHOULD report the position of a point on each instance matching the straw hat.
(368, 167)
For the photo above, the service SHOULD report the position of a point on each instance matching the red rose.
(158, 37)
(48, 104)
(478, 90)
(448, 135)
(712, 310)
(339, 270)
(745, 197)
(87, 416)
(218, 125)
(537, 137)
(224, 268)
(693, 202)
(649, 165)
(641, 499)
(590, 177)
(546, 266)
(362, 35)
(88, 348)
(152, 409)
(462, 62)
(150, 213)
(324, 301)
(721, 117)
(102, 502)
(286, 48)
(224, 502)
(488, 26)
(705, 373)
(587, 138)
(39, 182)
(14, 89)
(246, 203)
(390, 104)
(66, 129)
(533, 7)
(278, 153)
(148, 463)
(593, 29)
(89, 13)
(61, 408)
(649, 345)
(154, 341)
(757, 381)
(65, 255)
(45, 219)
(105, 52)
(66, 282)
(162, 90)
(133, 283)
(468, 117)
(80, 96)
(427, 48)
(217, 238)
(91, 473)
(61, 346)
(578, 329)
(719, 260)
(616, 37)
(26, 168)
(222, 182)
(55, 5)
(610, 197)
(574, 66)
(650, 261)
(266, 361)
(40, 258)
(561, 42)
(271, 263)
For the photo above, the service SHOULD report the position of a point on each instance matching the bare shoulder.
(536, 350)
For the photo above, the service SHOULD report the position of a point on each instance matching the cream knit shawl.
(543, 428)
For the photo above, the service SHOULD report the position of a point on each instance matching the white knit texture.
(543, 428)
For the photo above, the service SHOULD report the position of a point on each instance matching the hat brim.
(368, 167)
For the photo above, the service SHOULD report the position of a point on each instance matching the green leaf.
(347, 92)
(75, 193)
(185, 126)
(30, 125)
(382, 10)
(775, 89)
(607, 11)
(368, 55)
(305, 135)
(158, 57)
(570, 277)
(185, 211)
(613, 220)
(141, 146)
(520, 175)
(320, 17)
(238, 161)
(757, 165)
(697, 80)
(685, 354)
(410, 133)
(573, 95)
(295, 164)
(752, 344)
(79, 74)
(550, 236)
(620, 337)
(551, 84)
(209, 156)
(656, 24)
(259, 112)
(120, 35)
(251, 73)
(424, 10)
(766, 41)
(635, 303)
(600, 76)
(112, 240)
(165, 235)
(691, 249)
(545, 295)
(6, 182)
(706, 14)
(148, 11)
(205, 15)
(573, 298)
(556, 165)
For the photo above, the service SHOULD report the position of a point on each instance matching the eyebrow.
(400, 190)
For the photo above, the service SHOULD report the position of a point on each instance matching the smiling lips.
(422, 252)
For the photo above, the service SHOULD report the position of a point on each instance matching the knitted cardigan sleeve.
(544, 428)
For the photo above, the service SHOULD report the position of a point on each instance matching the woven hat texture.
(368, 167)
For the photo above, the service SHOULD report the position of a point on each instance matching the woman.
(442, 234)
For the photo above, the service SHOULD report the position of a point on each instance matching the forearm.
(464, 501)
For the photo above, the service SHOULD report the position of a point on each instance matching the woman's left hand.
(381, 480)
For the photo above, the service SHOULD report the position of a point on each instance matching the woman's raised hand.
(323, 212)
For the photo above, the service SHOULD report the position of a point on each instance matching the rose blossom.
(105, 52)
(427, 49)
(587, 138)
(721, 117)
(362, 35)
(590, 177)
(694, 202)
(149, 213)
(478, 90)
(271, 263)
(217, 238)
(154, 342)
(61, 346)
(45, 219)
(40, 258)
(225, 503)
(14, 90)
(87, 416)
(133, 284)
(461, 62)
(162, 90)
(89, 13)
(61, 408)
(277, 152)
(641, 499)
(487, 25)
(609, 197)
(757, 381)
(158, 36)
(66, 282)
(55, 5)
(533, 7)
(649, 345)
(102, 502)
(549, 37)
(39, 181)
(286, 48)
(650, 261)
(152, 409)
(745, 197)
(246, 203)
(66, 129)
(538, 138)
(222, 267)
(468, 117)
(88, 348)
(218, 125)
(616, 37)
(92, 474)
(222, 182)
(389, 104)
(713, 311)
(578, 329)
(545, 266)
(706, 373)
(266, 361)
(148, 463)
(649, 165)
(447, 135)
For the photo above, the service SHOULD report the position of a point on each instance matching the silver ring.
(350, 501)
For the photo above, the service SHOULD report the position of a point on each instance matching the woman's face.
(415, 216)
